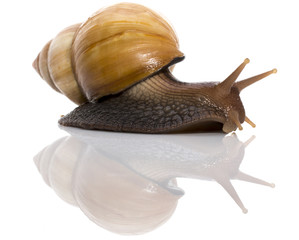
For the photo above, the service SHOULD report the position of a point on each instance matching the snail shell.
(115, 48)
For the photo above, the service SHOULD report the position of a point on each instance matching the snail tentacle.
(247, 82)
(226, 85)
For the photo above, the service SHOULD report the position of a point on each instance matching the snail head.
(227, 92)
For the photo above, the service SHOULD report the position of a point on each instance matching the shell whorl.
(55, 66)
(115, 48)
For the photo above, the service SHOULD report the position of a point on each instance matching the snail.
(117, 67)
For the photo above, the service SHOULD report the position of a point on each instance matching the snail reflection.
(126, 183)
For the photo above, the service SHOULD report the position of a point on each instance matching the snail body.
(116, 66)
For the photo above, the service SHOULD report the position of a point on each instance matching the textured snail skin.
(162, 104)
(155, 105)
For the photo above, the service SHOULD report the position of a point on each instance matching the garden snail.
(116, 67)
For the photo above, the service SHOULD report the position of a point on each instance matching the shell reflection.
(126, 183)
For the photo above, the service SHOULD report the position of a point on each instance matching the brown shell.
(54, 65)
(60, 65)
(114, 49)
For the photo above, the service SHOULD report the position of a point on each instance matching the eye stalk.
(235, 110)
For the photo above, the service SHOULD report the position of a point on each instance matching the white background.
(215, 36)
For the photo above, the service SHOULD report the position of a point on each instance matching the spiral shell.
(114, 49)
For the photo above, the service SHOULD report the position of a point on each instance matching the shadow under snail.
(117, 67)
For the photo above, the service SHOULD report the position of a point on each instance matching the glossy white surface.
(220, 36)
(109, 175)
